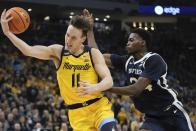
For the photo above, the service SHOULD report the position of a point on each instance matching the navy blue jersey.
(157, 96)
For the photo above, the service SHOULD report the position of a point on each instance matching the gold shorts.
(90, 118)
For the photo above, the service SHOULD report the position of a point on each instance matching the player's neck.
(139, 55)
(79, 51)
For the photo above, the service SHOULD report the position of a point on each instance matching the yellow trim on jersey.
(71, 71)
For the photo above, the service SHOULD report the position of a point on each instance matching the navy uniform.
(163, 111)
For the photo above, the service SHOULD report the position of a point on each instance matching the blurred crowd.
(160, 2)
(30, 98)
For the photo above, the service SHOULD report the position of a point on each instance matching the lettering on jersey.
(76, 67)
(149, 87)
(135, 71)
(86, 58)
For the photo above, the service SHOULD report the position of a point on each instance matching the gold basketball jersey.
(72, 70)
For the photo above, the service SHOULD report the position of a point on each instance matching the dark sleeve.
(118, 61)
(154, 68)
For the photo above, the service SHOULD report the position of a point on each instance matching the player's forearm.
(91, 39)
(20, 44)
(126, 90)
(134, 89)
(105, 84)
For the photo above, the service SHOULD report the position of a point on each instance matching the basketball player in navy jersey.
(148, 88)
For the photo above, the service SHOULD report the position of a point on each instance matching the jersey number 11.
(75, 79)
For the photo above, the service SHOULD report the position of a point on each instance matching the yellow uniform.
(71, 70)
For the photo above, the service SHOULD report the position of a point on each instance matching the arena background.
(29, 94)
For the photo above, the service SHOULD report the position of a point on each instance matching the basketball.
(20, 21)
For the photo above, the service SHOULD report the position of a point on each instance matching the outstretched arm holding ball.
(51, 52)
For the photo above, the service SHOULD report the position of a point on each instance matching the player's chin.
(70, 48)
(129, 49)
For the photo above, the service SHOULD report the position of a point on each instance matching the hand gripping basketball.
(20, 21)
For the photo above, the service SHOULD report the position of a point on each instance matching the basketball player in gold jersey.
(75, 64)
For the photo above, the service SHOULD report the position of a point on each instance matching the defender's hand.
(86, 88)
(89, 17)
(5, 18)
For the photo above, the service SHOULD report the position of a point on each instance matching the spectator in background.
(17, 127)
(9, 125)
(63, 127)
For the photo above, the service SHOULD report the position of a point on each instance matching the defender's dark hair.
(145, 35)
(81, 23)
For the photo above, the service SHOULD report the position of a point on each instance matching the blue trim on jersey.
(106, 120)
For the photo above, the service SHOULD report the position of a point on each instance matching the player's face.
(135, 43)
(74, 39)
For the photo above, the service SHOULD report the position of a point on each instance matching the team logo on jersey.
(135, 71)
(86, 58)
(76, 67)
